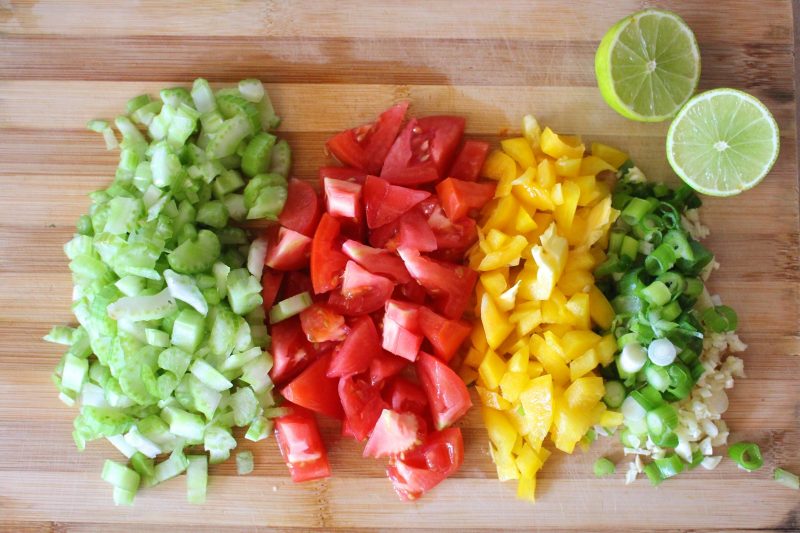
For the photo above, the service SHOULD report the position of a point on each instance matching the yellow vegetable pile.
(533, 350)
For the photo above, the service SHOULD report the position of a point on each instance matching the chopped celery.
(196, 478)
(120, 476)
(210, 377)
(281, 161)
(256, 157)
(244, 462)
(289, 307)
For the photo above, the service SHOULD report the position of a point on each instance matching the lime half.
(647, 65)
(723, 142)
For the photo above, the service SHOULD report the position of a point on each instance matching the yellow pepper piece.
(610, 155)
(533, 196)
(577, 342)
(532, 131)
(600, 309)
(527, 317)
(506, 254)
(564, 212)
(611, 419)
(569, 425)
(518, 447)
(599, 220)
(478, 338)
(520, 150)
(578, 306)
(528, 462)
(537, 403)
(552, 340)
(606, 349)
(520, 360)
(550, 258)
(568, 168)
(506, 467)
(501, 433)
(499, 166)
(495, 323)
(557, 146)
(507, 300)
(474, 357)
(592, 165)
(575, 281)
(552, 362)
(583, 364)
(495, 240)
(557, 195)
(502, 214)
(535, 369)
(492, 399)
(467, 375)
(580, 259)
(491, 370)
(546, 174)
(584, 393)
(494, 282)
(524, 222)
(590, 192)
(526, 489)
(512, 384)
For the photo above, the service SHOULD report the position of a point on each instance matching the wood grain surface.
(331, 65)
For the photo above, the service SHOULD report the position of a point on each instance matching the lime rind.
(648, 76)
(723, 142)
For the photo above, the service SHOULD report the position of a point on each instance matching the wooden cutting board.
(332, 65)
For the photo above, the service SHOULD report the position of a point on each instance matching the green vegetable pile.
(170, 350)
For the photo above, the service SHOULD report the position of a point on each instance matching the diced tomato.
(451, 284)
(382, 235)
(385, 202)
(446, 392)
(444, 335)
(365, 147)
(458, 197)
(457, 236)
(393, 434)
(302, 209)
(400, 341)
(294, 283)
(427, 465)
(291, 351)
(385, 365)
(270, 285)
(314, 390)
(343, 199)
(362, 405)
(301, 445)
(415, 233)
(405, 396)
(321, 324)
(341, 173)
(404, 313)
(423, 151)
(357, 281)
(411, 291)
(469, 160)
(360, 346)
(327, 261)
(377, 261)
(288, 251)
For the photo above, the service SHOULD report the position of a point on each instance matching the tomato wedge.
(422, 468)
(321, 324)
(358, 281)
(385, 365)
(423, 151)
(270, 285)
(354, 354)
(446, 392)
(341, 173)
(291, 351)
(377, 261)
(301, 211)
(446, 336)
(314, 390)
(399, 340)
(469, 160)
(385, 202)
(288, 250)
(301, 445)
(393, 433)
(451, 284)
(327, 261)
(361, 299)
(415, 233)
(457, 236)
(294, 283)
(405, 396)
(362, 405)
(458, 197)
(365, 147)
(343, 198)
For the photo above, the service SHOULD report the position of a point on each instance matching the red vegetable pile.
(380, 255)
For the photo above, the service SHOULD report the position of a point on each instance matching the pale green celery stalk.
(209, 376)
(60, 335)
(244, 462)
(289, 307)
(245, 406)
(259, 429)
(185, 289)
(196, 479)
(152, 307)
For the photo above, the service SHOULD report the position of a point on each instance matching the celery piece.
(141, 443)
(204, 398)
(171, 467)
(256, 156)
(142, 464)
(143, 307)
(281, 161)
(175, 96)
(256, 256)
(289, 307)
(218, 442)
(245, 406)
(244, 291)
(203, 96)
(213, 213)
(228, 136)
(235, 205)
(195, 255)
(233, 105)
(196, 478)
(227, 182)
(120, 476)
(74, 372)
(123, 497)
(60, 335)
(156, 337)
(174, 360)
(252, 90)
(184, 424)
(266, 111)
(222, 338)
(137, 102)
(96, 125)
(110, 139)
(209, 376)
(244, 462)
(184, 288)
(256, 373)
(259, 429)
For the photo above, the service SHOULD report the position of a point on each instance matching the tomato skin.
(341, 173)
(393, 434)
(291, 351)
(362, 404)
(321, 324)
(270, 285)
(446, 336)
(289, 250)
(302, 209)
(423, 151)
(301, 445)
(327, 261)
(458, 197)
(365, 147)
(419, 470)
(354, 354)
(404, 313)
(405, 396)
(469, 161)
(450, 284)
(384, 202)
(377, 261)
(294, 283)
(381, 236)
(385, 365)
(415, 233)
(343, 199)
(411, 291)
(400, 341)
(314, 390)
(363, 303)
(446, 392)
(358, 281)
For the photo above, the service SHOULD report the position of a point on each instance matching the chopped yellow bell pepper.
(467, 374)
(610, 155)
(576, 342)
(584, 393)
(494, 282)
(506, 467)
(546, 174)
(506, 300)
(606, 349)
(600, 309)
(524, 222)
(568, 168)
(575, 281)
(528, 461)
(578, 306)
(564, 212)
(512, 384)
(552, 362)
(590, 192)
(557, 146)
(611, 419)
(495, 322)
(533, 196)
(582, 365)
(520, 150)
(592, 165)
(506, 253)
(501, 433)
(491, 370)
(492, 399)
(520, 360)
(537, 403)
(498, 166)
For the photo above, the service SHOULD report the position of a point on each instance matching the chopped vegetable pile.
(534, 351)
(169, 352)
(366, 289)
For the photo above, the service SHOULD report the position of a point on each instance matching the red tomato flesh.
(341, 173)
(327, 261)
(302, 209)
(385, 202)
(423, 151)
(459, 197)
(291, 351)
(446, 336)
(288, 251)
(377, 261)
(358, 281)
(393, 434)
(427, 465)
(362, 404)
(469, 160)
(354, 354)
(343, 198)
(314, 390)
(385, 365)
(446, 392)
(301, 445)
(415, 233)
(321, 324)
(451, 284)
(270, 285)
(400, 341)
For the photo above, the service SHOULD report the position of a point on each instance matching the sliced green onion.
(647, 397)
(660, 260)
(603, 467)
(196, 478)
(632, 358)
(662, 352)
(289, 307)
(787, 479)
(635, 211)
(657, 377)
(656, 293)
(244, 462)
(662, 419)
(615, 394)
(747, 455)
(670, 466)
(653, 473)
(720, 319)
